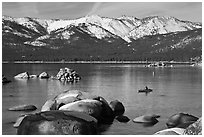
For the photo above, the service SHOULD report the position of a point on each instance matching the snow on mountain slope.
(125, 27)
(119, 27)
(161, 25)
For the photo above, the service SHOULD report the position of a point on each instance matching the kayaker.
(146, 88)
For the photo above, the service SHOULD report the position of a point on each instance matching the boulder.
(150, 119)
(117, 107)
(195, 128)
(58, 123)
(122, 118)
(23, 108)
(19, 120)
(33, 76)
(24, 75)
(88, 106)
(107, 115)
(180, 120)
(171, 131)
(5, 80)
(63, 98)
(44, 75)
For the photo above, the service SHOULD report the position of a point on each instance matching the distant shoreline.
(94, 62)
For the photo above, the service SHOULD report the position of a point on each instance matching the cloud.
(94, 8)
(181, 10)
(191, 11)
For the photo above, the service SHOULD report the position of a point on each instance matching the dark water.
(177, 89)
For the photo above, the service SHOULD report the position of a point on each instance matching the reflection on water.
(176, 89)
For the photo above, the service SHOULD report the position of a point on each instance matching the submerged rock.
(171, 131)
(24, 75)
(122, 118)
(180, 120)
(58, 123)
(195, 128)
(23, 108)
(150, 119)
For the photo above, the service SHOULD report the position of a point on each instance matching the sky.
(191, 11)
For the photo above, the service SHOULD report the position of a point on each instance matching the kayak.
(145, 90)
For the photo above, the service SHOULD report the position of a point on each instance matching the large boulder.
(58, 123)
(44, 75)
(148, 119)
(76, 100)
(89, 106)
(194, 129)
(23, 108)
(63, 98)
(117, 107)
(24, 75)
(171, 131)
(180, 120)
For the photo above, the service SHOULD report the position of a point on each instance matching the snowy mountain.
(161, 25)
(112, 36)
(125, 27)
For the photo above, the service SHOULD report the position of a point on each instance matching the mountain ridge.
(123, 38)
(125, 28)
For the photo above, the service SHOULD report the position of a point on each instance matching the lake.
(175, 89)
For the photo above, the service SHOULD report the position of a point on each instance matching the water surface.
(176, 89)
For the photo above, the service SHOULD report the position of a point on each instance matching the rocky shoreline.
(76, 112)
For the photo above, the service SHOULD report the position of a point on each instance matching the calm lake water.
(176, 89)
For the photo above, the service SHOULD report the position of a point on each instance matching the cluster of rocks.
(182, 124)
(77, 112)
(64, 74)
(26, 75)
(71, 112)
(69, 75)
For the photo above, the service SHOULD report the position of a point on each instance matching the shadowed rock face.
(5, 80)
(117, 107)
(181, 120)
(58, 123)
